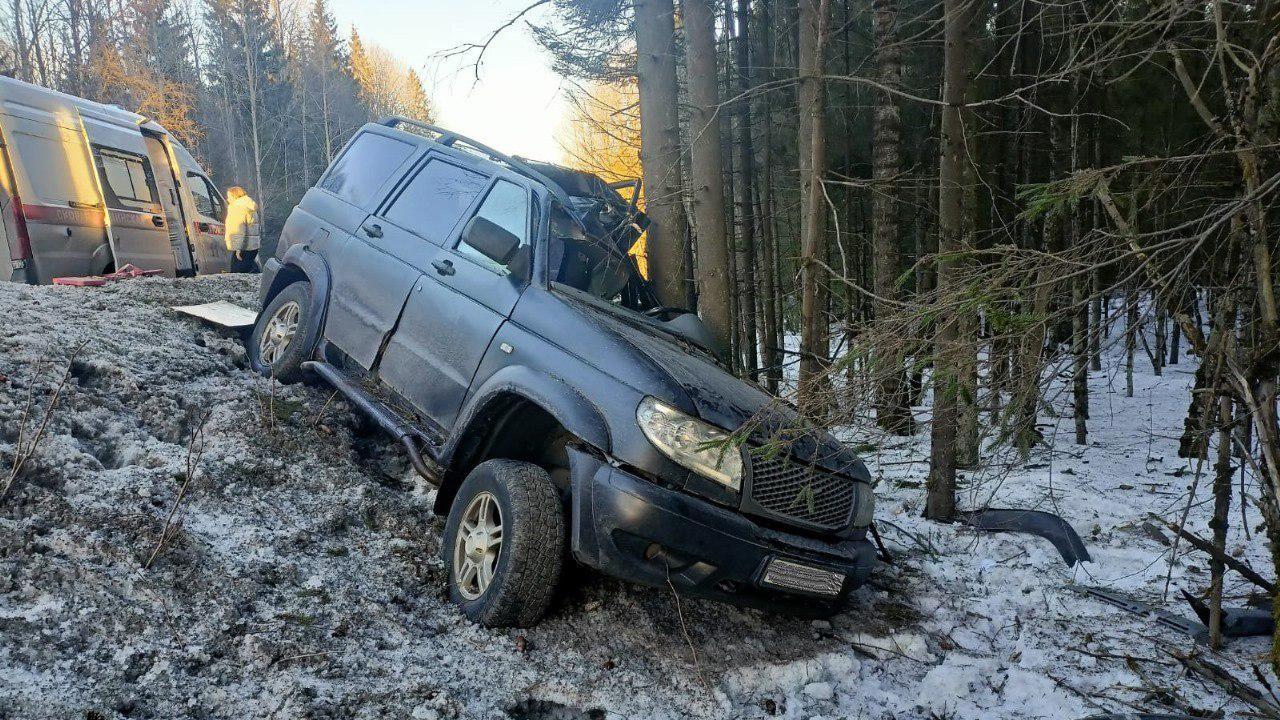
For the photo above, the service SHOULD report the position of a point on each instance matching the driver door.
(457, 307)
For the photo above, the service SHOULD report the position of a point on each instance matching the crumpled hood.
(727, 401)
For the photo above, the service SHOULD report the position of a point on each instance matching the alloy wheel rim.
(477, 546)
(279, 332)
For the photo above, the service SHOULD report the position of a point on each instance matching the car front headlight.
(704, 449)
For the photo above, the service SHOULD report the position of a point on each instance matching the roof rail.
(448, 138)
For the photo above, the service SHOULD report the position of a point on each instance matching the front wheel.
(504, 544)
(281, 338)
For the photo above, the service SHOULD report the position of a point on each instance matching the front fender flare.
(575, 413)
(299, 263)
(316, 270)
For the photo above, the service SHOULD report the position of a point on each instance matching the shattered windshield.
(592, 263)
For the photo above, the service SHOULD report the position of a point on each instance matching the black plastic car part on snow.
(482, 308)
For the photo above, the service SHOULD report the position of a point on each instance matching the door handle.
(444, 267)
(157, 221)
(373, 230)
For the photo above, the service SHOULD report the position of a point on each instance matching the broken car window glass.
(589, 262)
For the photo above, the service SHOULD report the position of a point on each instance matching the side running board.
(404, 432)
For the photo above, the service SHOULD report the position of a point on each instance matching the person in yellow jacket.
(244, 232)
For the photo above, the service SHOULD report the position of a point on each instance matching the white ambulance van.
(86, 188)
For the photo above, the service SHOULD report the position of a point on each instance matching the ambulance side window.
(127, 181)
(208, 201)
(51, 177)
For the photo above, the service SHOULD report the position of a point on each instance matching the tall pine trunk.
(812, 149)
(893, 413)
(1080, 297)
(953, 178)
(769, 330)
(745, 186)
(707, 171)
(667, 235)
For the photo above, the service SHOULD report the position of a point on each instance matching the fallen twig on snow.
(24, 450)
(684, 630)
(323, 409)
(1245, 571)
(195, 448)
(1228, 682)
(1164, 693)
(920, 541)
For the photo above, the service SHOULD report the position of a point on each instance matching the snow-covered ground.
(305, 581)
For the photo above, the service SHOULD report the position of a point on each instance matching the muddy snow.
(301, 575)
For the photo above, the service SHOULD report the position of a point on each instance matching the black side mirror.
(490, 239)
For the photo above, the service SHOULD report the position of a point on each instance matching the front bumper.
(638, 531)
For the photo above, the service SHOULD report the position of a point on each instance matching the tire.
(292, 307)
(526, 570)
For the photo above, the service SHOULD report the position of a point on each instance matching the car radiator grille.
(790, 490)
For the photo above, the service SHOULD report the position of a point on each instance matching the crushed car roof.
(590, 199)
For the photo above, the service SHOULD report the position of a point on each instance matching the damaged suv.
(484, 312)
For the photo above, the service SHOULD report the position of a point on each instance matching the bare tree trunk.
(277, 22)
(733, 276)
(892, 411)
(1027, 377)
(1221, 509)
(304, 108)
(707, 170)
(23, 50)
(1162, 332)
(251, 73)
(1080, 297)
(38, 54)
(967, 436)
(1080, 356)
(75, 17)
(1130, 336)
(926, 273)
(953, 178)
(1098, 313)
(746, 184)
(769, 289)
(812, 147)
(660, 150)
(324, 110)
(228, 114)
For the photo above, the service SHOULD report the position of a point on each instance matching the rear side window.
(436, 199)
(126, 180)
(56, 171)
(364, 167)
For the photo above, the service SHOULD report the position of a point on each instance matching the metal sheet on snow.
(221, 313)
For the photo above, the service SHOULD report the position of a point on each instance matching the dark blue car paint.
(585, 365)
(706, 551)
